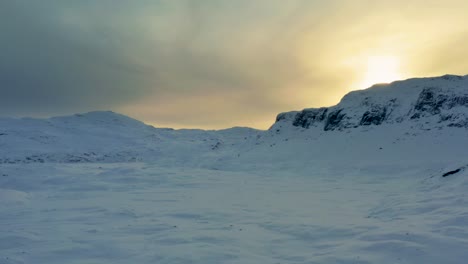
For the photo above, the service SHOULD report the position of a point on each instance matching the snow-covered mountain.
(104, 136)
(423, 102)
(406, 118)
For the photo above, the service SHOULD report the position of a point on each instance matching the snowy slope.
(103, 137)
(87, 133)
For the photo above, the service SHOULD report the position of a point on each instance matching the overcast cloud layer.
(213, 64)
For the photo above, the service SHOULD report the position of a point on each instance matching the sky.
(217, 63)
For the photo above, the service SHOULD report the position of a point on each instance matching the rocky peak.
(437, 101)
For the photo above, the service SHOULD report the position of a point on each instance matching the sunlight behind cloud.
(381, 69)
(215, 64)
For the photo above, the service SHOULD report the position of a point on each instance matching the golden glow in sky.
(240, 63)
(381, 69)
(218, 64)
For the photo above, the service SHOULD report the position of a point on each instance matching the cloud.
(203, 63)
(49, 66)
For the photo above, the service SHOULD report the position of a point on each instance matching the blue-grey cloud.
(49, 64)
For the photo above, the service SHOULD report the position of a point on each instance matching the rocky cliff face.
(425, 102)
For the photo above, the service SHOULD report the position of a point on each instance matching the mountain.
(103, 136)
(418, 122)
(379, 178)
(385, 123)
(423, 102)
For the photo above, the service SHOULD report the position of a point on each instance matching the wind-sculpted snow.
(142, 213)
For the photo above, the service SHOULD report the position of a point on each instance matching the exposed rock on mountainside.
(439, 101)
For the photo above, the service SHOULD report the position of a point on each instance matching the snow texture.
(379, 178)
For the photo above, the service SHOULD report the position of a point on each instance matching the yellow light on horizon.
(381, 69)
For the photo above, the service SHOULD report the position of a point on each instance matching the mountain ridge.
(392, 103)
(405, 118)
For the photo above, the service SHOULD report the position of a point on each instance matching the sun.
(381, 69)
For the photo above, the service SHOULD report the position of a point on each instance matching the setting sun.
(381, 69)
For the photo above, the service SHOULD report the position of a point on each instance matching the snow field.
(145, 213)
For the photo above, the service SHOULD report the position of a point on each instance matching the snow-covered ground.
(382, 177)
(143, 213)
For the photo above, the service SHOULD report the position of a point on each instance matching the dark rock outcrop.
(334, 119)
(285, 116)
(307, 117)
(429, 101)
(434, 101)
(451, 172)
(375, 116)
